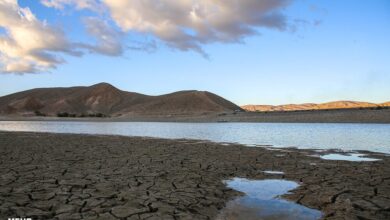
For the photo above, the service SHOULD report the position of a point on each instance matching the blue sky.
(333, 50)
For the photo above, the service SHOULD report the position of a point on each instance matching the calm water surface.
(262, 201)
(348, 157)
(372, 137)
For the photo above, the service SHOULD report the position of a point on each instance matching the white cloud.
(79, 4)
(108, 39)
(28, 45)
(189, 24)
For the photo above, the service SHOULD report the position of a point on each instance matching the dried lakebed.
(67, 176)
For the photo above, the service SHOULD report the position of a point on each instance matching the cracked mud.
(66, 176)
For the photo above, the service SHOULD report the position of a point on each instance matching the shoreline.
(369, 116)
(78, 176)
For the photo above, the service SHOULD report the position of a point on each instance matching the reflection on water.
(261, 201)
(373, 137)
(348, 157)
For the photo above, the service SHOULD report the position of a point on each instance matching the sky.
(248, 51)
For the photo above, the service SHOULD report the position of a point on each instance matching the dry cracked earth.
(64, 176)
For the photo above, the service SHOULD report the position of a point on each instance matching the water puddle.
(347, 157)
(262, 201)
(273, 172)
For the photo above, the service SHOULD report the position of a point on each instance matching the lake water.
(372, 137)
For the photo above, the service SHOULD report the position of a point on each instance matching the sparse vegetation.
(83, 115)
(62, 114)
(40, 114)
(98, 115)
(66, 115)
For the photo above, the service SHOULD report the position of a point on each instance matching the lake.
(372, 137)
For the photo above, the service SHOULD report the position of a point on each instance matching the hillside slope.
(313, 106)
(106, 99)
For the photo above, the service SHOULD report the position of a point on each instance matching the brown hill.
(313, 106)
(386, 104)
(106, 99)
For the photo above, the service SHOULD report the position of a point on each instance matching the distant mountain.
(106, 99)
(313, 106)
(386, 104)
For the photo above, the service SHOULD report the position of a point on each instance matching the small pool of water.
(347, 157)
(262, 201)
(273, 172)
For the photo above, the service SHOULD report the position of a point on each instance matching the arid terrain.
(66, 176)
(317, 116)
(105, 99)
(313, 106)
